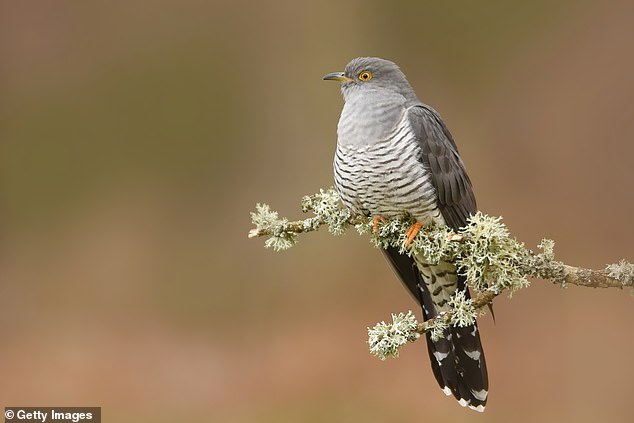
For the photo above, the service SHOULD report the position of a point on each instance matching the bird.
(395, 157)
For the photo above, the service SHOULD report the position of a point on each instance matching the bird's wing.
(456, 200)
(440, 157)
(457, 358)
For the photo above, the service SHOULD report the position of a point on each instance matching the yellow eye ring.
(365, 76)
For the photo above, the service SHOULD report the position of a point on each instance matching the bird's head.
(365, 74)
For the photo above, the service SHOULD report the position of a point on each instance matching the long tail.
(457, 358)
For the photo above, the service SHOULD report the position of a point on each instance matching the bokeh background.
(136, 137)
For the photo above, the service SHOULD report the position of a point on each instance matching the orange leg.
(412, 232)
(375, 223)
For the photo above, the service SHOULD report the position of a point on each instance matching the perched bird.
(396, 157)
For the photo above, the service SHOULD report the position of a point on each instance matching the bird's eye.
(365, 75)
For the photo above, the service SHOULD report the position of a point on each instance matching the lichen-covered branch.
(282, 234)
(484, 251)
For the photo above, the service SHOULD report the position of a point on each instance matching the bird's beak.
(337, 76)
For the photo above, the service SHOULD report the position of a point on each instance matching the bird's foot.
(412, 232)
(375, 224)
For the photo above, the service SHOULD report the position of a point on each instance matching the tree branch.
(484, 251)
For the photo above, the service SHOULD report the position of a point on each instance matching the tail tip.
(465, 403)
(479, 408)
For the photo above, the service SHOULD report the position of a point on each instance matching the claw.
(412, 232)
(375, 223)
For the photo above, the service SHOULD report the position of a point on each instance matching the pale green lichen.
(622, 272)
(544, 265)
(438, 328)
(385, 339)
(548, 248)
(364, 228)
(266, 219)
(390, 232)
(281, 240)
(463, 312)
(327, 207)
(433, 244)
(491, 259)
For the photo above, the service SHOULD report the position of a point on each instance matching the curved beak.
(337, 76)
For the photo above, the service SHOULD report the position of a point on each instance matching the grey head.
(371, 74)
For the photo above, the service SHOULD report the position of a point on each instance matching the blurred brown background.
(137, 136)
